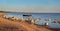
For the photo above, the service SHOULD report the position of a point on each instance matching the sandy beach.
(8, 25)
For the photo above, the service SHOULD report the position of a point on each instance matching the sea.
(44, 16)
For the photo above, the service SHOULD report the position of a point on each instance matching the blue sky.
(30, 5)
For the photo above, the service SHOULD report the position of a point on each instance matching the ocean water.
(43, 16)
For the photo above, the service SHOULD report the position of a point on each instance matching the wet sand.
(54, 29)
(8, 25)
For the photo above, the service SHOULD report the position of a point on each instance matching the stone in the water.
(46, 24)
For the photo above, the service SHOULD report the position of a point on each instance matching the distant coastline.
(22, 12)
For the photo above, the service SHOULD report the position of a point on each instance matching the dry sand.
(8, 25)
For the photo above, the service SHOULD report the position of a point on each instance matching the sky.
(38, 6)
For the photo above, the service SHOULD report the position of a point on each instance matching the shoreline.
(23, 25)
